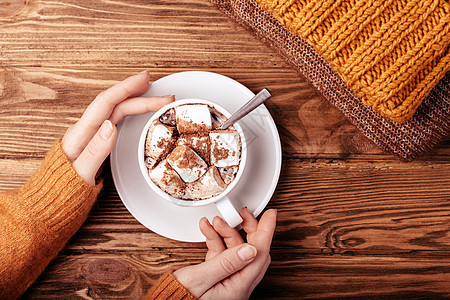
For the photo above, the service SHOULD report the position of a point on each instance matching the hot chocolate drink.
(188, 156)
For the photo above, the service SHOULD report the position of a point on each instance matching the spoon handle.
(248, 107)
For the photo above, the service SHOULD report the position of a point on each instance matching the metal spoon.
(248, 107)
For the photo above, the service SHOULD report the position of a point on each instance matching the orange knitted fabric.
(168, 287)
(38, 219)
(391, 53)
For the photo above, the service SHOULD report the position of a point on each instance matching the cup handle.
(229, 212)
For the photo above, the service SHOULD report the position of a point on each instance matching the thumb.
(200, 278)
(98, 148)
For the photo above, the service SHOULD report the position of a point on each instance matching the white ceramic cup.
(222, 201)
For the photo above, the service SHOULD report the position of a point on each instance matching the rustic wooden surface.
(354, 222)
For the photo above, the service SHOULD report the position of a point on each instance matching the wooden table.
(354, 222)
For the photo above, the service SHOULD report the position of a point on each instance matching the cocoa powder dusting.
(187, 149)
(199, 143)
(171, 178)
(161, 143)
(220, 153)
(191, 128)
(188, 159)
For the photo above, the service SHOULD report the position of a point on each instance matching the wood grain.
(128, 34)
(43, 103)
(125, 276)
(9, 8)
(323, 208)
(343, 231)
(354, 222)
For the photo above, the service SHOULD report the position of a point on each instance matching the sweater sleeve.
(37, 220)
(168, 287)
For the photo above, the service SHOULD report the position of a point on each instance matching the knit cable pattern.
(391, 53)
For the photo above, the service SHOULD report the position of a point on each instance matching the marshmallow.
(209, 185)
(187, 163)
(193, 118)
(228, 173)
(198, 143)
(225, 148)
(167, 179)
(160, 139)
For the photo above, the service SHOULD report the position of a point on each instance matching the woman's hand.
(89, 141)
(232, 268)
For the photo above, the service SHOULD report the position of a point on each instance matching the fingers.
(230, 235)
(213, 240)
(92, 157)
(218, 234)
(100, 110)
(138, 105)
(266, 229)
(261, 239)
(259, 233)
(200, 278)
(261, 274)
(249, 223)
(221, 230)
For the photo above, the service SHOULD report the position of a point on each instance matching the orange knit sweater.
(391, 53)
(37, 220)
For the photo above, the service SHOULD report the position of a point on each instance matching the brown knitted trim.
(429, 126)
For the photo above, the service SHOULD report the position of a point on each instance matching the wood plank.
(367, 277)
(370, 207)
(37, 106)
(354, 222)
(290, 276)
(69, 40)
(14, 173)
(9, 8)
(75, 33)
(106, 276)
(358, 208)
(340, 208)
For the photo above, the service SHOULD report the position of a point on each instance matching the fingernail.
(247, 252)
(145, 71)
(169, 96)
(106, 130)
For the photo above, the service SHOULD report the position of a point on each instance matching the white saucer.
(258, 181)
